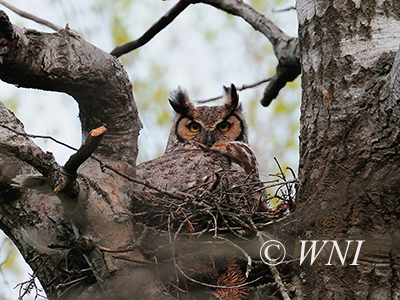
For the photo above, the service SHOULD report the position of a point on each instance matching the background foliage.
(203, 49)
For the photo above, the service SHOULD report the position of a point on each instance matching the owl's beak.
(210, 140)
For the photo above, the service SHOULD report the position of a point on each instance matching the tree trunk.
(349, 144)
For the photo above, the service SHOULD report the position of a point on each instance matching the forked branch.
(63, 62)
(285, 47)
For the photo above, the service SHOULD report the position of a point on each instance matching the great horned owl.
(206, 144)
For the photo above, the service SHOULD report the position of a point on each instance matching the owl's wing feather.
(239, 153)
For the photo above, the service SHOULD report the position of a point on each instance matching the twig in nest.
(190, 224)
(246, 255)
(282, 175)
(242, 88)
(291, 171)
(279, 283)
(241, 223)
(29, 16)
(288, 184)
(213, 285)
(172, 241)
(220, 213)
(295, 181)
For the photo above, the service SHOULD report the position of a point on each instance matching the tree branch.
(286, 48)
(257, 20)
(19, 156)
(64, 62)
(283, 9)
(153, 31)
(85, 151)
(29, 16)
(285, 72)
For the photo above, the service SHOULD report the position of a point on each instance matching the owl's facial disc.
(189, 130)
(230, 129)
(226, 130)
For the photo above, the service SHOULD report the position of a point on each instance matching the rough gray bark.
(349, 143)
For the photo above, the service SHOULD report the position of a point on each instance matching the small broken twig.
(67, 173)
(35, 136)
(86, 150)
(284, 9)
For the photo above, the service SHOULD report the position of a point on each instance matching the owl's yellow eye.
(194, 127)
(224, 126)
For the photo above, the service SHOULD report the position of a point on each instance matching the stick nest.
(210, 235)
(242, 208)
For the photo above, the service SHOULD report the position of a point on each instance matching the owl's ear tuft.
(179, 101)
(231, 97)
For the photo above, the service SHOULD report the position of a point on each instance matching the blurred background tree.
(202, 50)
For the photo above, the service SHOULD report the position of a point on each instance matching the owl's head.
(206, 125)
